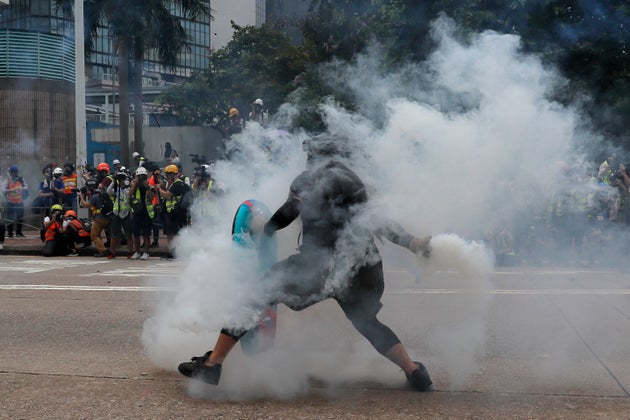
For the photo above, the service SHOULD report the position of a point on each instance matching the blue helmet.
(13, 168)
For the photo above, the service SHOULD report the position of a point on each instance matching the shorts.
(141, 225)
(118, 226)
(173, 222)
(304, 279)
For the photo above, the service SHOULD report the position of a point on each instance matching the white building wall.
(242, 12)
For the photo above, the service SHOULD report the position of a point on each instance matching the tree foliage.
(256, 63)
(586, 39)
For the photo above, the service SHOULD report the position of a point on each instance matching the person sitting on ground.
(55, 239)
(76, 232)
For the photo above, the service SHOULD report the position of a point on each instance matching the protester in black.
(338, 259)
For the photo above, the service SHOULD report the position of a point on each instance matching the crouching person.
(55, 239)
(76, 232)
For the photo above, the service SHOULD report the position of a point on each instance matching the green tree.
(137, 26)
(258, 62)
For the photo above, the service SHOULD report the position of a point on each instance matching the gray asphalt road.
(530, 344)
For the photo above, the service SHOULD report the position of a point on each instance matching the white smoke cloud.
(456, 145)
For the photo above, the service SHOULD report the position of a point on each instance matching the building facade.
(287, 15)
(37, 74)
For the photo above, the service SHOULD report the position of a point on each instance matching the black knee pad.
(235, 333)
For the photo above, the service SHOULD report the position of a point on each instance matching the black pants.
(56, 247)
(301, 281)
(15, 215)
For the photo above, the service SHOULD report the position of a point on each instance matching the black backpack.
(186, 201)
(107, 206)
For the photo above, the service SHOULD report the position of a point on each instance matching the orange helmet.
(102, 167)
(171, 169)
(233, 112)
(71, 213)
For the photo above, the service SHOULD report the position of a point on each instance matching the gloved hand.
(421, 245)
(257, 226)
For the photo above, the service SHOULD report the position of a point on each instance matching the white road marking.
(514, 292)
(42, 265)
(41, 287)
(139, 269)
(593, 292)
(168, 269)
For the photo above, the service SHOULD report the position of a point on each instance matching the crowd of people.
(583, 219)
(127, 208)
(584, 214)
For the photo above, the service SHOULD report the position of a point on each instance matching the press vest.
(69, 183)
(51, 230)
(13, 195)
(79, 227)
(148, 203)
(172, 201)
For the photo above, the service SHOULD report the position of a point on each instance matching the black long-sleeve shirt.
(327, 199)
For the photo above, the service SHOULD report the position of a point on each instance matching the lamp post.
(79, 85)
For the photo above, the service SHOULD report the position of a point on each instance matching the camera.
(122, 179)
(198, 159)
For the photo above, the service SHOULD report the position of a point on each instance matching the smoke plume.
(459, 147)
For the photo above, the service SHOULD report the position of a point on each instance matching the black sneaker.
(20, 235)
(419, 378)
(196, 369)
(154, 244)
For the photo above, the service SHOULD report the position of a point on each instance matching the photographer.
(121, 212)
(55, 239)
(99, 205)
(141, 196)
(206, 194)
(76, 232)
(175, 193)
(158, 220)
(69, 179)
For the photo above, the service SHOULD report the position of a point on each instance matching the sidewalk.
(31, 244)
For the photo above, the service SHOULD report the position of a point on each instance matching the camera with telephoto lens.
(122, 178)
(198, 159)
(90, 185)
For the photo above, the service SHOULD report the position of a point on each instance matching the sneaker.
(135, 256)
(154, 244)
(111, 256)
(101, 254)
(73, 254)
(144, 256)
(20, 235)
(10, 235)
(130, 255)
(196, 369)
(419, 378)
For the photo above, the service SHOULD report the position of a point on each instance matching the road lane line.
(42, 287)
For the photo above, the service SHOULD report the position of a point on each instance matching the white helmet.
(57, 171)
(258, 102)
(141, 171)
(135, 155)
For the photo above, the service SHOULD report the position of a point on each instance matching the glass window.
(40, 7)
